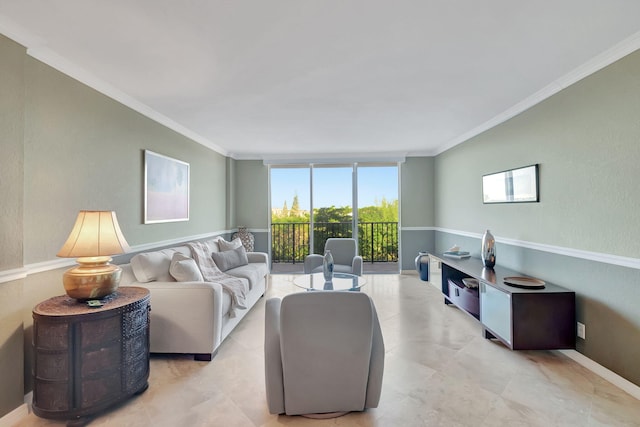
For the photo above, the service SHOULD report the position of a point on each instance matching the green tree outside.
(377, 230)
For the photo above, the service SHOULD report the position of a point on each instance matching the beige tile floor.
(439, 371)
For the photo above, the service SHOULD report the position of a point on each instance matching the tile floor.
(439, 371)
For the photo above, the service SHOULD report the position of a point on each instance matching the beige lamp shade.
(95, 233)
(95, 236)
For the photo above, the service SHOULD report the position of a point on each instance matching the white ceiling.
(279, 79)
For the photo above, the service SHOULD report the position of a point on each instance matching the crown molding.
(37, 49)
(324, 158)
(52, 59)
(608, 57)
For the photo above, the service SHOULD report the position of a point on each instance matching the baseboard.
(15, 416)
(605, 373)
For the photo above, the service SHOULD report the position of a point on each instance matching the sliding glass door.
(290, 217)
(311, 203)
(332, 204)
(377, 217)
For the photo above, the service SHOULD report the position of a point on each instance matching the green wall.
(252, 194)
(417, 210)
(416, 177)
(12, 158)
(586, 140)
(11, 220)
(84, 150)
(66, 147)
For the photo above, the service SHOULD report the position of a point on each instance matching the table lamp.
(95, 236)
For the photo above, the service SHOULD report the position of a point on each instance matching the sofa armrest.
(274, 380)
(186, 317)
(258, 257)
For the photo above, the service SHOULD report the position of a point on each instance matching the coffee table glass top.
(340, 282)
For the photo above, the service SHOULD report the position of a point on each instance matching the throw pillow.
(185, 269)
(152, 266)
(229, 246)
(230, 259)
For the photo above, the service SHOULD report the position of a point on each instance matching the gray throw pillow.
(230, 259)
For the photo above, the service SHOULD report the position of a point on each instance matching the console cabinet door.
(495, 311)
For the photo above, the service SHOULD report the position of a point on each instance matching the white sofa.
(192, 317)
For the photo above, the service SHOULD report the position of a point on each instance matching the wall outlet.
(582, 330)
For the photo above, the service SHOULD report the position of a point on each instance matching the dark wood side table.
(88, 359)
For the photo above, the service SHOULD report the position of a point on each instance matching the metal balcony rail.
(377, 241)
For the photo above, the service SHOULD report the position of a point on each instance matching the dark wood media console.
(522, 319)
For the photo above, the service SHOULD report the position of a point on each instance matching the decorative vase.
(247, 239)
(488, 250)
(327, 266)
(422, 265)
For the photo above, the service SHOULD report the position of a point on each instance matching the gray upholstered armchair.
(345, 257)
(324, 353)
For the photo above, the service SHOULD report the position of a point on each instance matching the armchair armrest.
(272, 357)
(356, 266)
(312, 261)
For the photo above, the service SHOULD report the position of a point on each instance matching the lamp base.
(92, 278)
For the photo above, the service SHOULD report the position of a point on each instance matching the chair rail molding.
(13, 274)
(54, 264)
(559, 250)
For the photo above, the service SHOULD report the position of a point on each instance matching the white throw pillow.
(230, 259)
(212, 244)
(152, 266)
(229, 246)
(185, 269)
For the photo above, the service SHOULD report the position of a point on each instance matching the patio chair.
(345, 257)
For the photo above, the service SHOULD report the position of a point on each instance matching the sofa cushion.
(227, 260)
(229, 246)
(153, 266)
(253, 272)
(212, 244)
(184, 269)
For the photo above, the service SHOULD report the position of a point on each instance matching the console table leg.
(488, 335)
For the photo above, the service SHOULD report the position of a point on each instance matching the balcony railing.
(377, 241)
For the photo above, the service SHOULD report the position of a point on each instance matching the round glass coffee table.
(340, 282)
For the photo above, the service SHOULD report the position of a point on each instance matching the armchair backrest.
(343, 250)
(332, 352)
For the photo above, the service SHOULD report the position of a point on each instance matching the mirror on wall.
(511, 186)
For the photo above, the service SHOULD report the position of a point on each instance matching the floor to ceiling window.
(377, 217)
(310, 203)
(290, 216)
(332, 204)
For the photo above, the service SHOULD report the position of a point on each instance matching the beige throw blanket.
(235, 287)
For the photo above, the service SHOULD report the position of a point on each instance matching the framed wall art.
(511, 186)
(166, 189)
